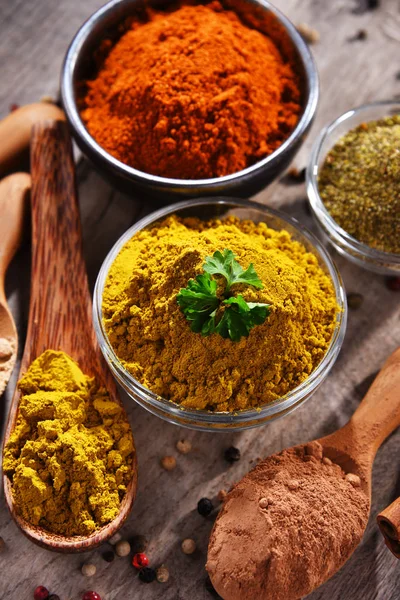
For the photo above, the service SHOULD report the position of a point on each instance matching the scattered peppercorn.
(2, 544)
(309, 35)
(204, 507)
(353, 479)
(355, 301)
(168, 463)
(183, 446)
(88, 570)
(13, 107)
(140, 560)
(393, 283)
(372, 4)
(117, 537)
(232, 454)
(222, 494)
(295, 175)
(54, 597)
(398, 75)
(210, 588)
(123, 548)
(47, 99)
(139, 543)
(360, 36)
(41, 593)
(162, 574)
(91, 596)
(147, 574)
(108, 556)
(188, 546)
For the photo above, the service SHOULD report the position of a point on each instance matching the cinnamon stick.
(389, 524)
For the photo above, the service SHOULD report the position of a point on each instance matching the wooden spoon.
(306, 561)
(13, 193)
(389, 524)
(60, 315)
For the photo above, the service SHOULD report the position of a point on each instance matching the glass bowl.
(359, 253)
(223, 421)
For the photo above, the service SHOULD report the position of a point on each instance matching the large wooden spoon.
(305, 551)
(60, 315)
(13, 192)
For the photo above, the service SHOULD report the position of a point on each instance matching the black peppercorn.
(54, 597)
(355, 301)
(205, 507)
(108, 556)
(232, 454)
(147, 575)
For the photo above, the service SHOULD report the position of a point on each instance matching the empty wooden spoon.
(294, 520)
(389, 524)
(60, 315)
(13, 193)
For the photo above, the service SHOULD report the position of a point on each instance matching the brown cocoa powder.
(284, 548)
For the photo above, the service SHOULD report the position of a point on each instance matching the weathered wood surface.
(33, 41)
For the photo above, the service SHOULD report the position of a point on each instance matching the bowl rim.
(319, 210)
(70, 105)
(273, 409)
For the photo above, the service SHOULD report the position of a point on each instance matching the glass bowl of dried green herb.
(219, 314)
(353, 185)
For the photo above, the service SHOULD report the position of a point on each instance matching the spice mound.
(193, 93)
(359, 183)
(155, 343)
(70, 455)
(286, 527)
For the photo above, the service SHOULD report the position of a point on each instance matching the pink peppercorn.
(140, 560)
(41, 593)
(91, 596)
(393, 283)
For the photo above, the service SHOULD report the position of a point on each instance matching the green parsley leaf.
(199, 303)
(240, 317)
(226, 265)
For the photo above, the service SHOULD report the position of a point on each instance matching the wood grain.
(32, 45)
(60, 315)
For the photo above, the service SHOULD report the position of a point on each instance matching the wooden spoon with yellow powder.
(60, 326)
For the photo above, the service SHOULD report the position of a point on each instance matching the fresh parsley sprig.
(232, 317)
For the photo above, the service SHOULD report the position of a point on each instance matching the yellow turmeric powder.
(70, 455)
(153, 339)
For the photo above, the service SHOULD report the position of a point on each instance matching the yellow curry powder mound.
(153, 339)
(70, 455)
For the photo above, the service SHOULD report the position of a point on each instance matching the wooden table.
(33, 40)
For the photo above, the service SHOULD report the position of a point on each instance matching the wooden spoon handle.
(15, 131)
(389, 524)
(13, 193)
(379, 413)
(60, 308)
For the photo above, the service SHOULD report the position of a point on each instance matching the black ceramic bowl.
(79, 65)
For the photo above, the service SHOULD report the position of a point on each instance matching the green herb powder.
(359, 183)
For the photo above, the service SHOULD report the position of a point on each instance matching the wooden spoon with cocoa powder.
(294, 520)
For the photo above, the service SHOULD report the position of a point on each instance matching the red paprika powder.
(192, 93)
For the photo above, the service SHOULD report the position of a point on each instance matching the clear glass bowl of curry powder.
(380, 219)
(120, 328)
